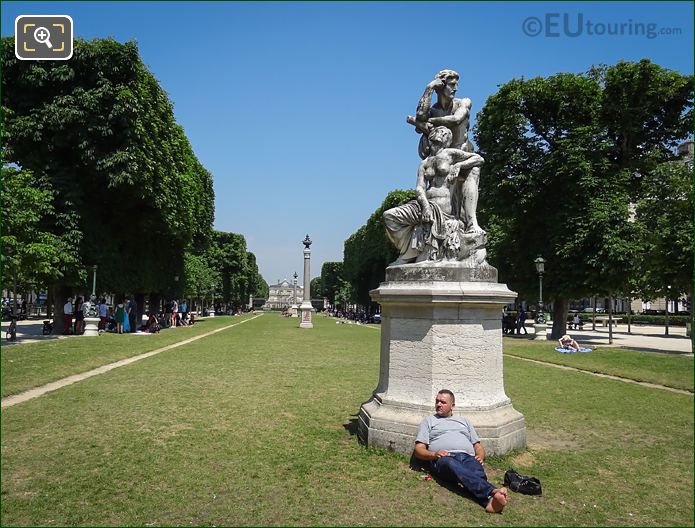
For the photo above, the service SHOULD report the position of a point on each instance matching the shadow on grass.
(351, 427)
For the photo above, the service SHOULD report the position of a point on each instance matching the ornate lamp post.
(294, 307)
(94, 283)
(540, 327)
(306, 309)
(540, 269)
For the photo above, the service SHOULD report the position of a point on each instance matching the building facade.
(282, 295)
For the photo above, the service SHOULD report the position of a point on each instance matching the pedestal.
(306, 311)
(91, 326)
(541, 330)
(294, 310)
(440, 329)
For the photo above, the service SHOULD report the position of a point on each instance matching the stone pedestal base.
(91, 326)
(541, 330)
(306, 312)
(443, 331)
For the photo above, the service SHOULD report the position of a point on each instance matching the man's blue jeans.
(465, 469)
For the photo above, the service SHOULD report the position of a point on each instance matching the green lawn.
(664, 369)
(251, 426)
(30, 365)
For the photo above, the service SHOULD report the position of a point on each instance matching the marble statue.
(440, 300)
(441, 224)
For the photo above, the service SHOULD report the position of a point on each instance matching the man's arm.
(423, 106)
(479, 452)
(423, 453)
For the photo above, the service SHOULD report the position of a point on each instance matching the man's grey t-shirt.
(453, 433)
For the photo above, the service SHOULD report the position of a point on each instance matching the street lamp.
(294, 295)
(94, 283)
(540, 269)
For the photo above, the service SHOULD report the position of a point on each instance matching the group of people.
(123, 318)
(177, 314)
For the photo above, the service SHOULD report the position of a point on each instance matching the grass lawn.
(250, 426)
(665, 369)
(33, 364)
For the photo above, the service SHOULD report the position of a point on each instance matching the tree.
(236, 269)
(368, 251)
(664, 216)
(31, 255)
(101, 132)
(563, 160)
(315, 288)
(331, 277)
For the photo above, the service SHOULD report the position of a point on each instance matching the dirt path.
(55, 385)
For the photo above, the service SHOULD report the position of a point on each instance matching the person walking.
(174, 312)
(67, 311)
(522, 322)
(103, 313)
(79, 317)
(132, 314)
(120, 317)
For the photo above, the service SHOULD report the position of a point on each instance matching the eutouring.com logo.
(555, 25)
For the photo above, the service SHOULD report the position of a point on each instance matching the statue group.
(441, 224)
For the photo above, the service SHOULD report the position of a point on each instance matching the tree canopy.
(128, 192)
(368, 251)
(564, 158)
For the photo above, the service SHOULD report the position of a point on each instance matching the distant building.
(282, 295)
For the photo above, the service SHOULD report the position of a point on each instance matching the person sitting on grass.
(453, 448)
(568, 343)
(152, 325)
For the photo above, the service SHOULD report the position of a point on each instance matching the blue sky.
(298, 108)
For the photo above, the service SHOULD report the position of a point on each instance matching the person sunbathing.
(568, 343)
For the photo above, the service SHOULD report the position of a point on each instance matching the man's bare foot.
(498, 501)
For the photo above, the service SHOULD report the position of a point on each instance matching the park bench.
(604, 320)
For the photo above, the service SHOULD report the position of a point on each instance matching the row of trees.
(581, 169)
(224, 271)
(96, 171)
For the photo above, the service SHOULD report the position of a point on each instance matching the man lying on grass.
(452, 446)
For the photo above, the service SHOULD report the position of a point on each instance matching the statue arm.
(421, 195)
(465, 159)
(423, 106)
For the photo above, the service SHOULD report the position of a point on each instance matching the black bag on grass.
(522, 483)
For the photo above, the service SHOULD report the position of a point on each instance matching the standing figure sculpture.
(453, 114)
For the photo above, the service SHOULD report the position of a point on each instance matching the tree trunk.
(629, 315)
(49, 302)
(140, 309)
(61, 296)
(593, 317)
(560, 309)
(692, 319)
(610, 320)
(666, 318)
(155, 303)
(14, 295)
